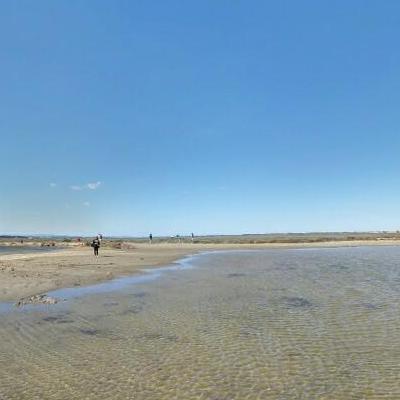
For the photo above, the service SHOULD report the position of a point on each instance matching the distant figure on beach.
(96, 245)
(192, 235)
(151, 238)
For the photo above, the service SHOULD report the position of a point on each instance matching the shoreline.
(29, 274)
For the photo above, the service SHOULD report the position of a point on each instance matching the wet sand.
(24, 275)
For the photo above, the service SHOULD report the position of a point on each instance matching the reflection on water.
(278, 324)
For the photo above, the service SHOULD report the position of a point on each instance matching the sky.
(215, 117)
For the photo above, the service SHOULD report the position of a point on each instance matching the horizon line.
(71, 235)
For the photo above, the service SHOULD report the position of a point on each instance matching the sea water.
(273, 324)
(25, 249)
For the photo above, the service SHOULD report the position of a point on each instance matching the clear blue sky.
(129, 117)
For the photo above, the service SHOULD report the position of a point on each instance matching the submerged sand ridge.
(23, 275)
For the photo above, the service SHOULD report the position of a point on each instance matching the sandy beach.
(34, 273)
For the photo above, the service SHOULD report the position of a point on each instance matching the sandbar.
(29, 274)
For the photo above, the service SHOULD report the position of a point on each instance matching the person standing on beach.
(192, 235)
(151, 238)
(96, 245)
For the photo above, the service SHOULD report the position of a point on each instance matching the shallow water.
(25, 249)
(274, 324)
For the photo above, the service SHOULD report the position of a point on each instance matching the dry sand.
(24, 275)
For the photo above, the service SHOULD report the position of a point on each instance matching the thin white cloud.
(93, 185)
(87, 186)
(86, 203)
(52, 184)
